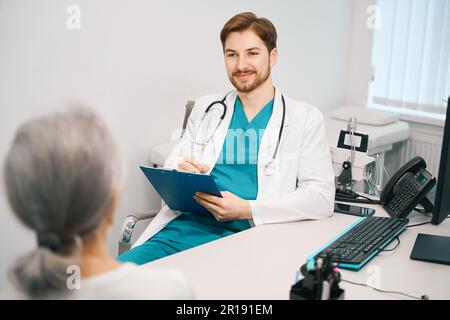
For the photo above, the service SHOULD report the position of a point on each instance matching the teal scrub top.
(236, 171)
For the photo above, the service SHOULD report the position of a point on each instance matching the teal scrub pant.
(185, 232)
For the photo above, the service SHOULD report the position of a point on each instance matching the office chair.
(128, 226)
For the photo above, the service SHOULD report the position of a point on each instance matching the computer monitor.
(432, 248)
(442, 201)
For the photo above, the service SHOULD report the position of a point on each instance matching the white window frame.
(361, 71)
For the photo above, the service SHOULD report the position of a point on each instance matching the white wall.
(137, 62)
(360, 58)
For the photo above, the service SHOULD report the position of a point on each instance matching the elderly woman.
(63, 176)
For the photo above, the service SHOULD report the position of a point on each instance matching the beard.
(247, 87)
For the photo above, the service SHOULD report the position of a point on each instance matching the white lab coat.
(302, 184)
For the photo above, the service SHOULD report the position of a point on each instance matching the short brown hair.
(248, 20)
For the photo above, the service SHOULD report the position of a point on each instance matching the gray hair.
(60, 173)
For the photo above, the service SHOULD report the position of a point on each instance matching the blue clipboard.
(177, 188)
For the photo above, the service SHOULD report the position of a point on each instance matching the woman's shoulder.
(138, 282)
(11, 293)
(128, 282)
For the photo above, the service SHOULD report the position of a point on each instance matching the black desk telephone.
(407, 188)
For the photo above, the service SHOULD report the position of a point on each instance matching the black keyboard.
(363, 241)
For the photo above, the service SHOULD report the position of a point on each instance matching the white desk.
(261, 263)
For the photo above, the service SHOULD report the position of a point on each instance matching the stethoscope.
(271, 166)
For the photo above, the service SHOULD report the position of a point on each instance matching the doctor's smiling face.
(248, 60)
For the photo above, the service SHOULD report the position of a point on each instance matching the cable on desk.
(419, 224)
(370, 200)
(365, 199)
(396, 246)
(423, 223)
(422, 297)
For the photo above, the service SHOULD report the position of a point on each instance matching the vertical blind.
(411, 55)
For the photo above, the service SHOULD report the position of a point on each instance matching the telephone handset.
(407, 188)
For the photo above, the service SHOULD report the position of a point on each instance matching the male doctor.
(267, 153)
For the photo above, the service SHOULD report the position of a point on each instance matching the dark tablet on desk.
(177, 188)
(431, 248)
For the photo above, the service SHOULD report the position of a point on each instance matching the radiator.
(426, 143)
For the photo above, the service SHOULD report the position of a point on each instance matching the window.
(411, 56)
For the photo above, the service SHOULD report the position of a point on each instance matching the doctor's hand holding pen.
(191, 164)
